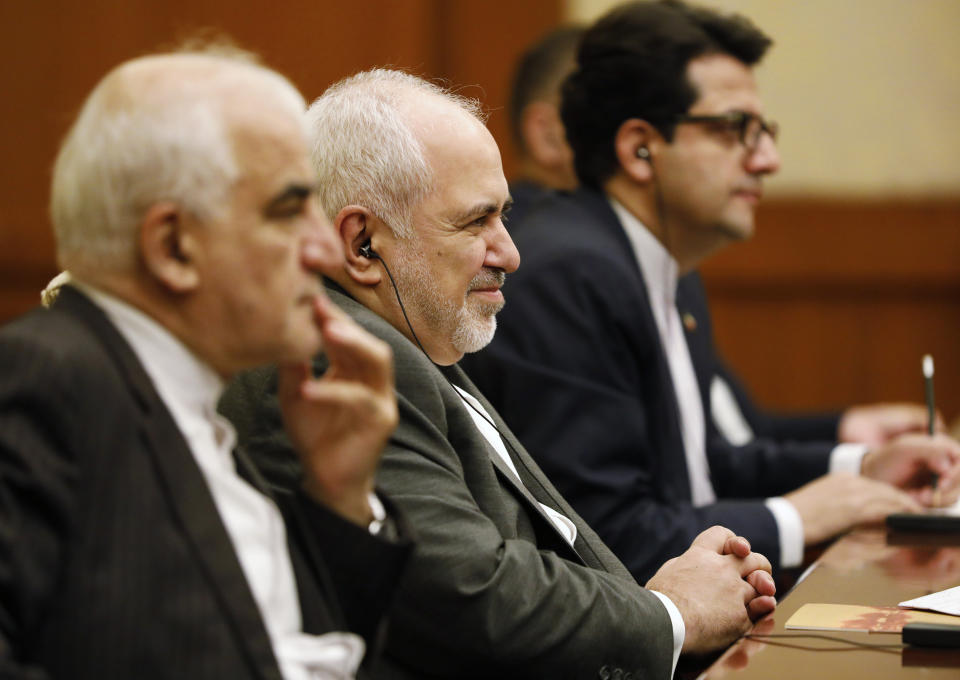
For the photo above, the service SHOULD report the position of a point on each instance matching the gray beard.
(470, 326)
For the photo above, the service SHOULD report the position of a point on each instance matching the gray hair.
(364, 150)
(139, 140)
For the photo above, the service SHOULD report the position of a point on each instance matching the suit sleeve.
(577, 372)
(37, 475)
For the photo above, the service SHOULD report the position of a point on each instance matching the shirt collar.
(186, 384)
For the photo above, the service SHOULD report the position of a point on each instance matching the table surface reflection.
(868, 567)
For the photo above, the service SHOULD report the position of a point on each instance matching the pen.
(928, 385)
(931, 415)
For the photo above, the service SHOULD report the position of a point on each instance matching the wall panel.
(834, 303)
(54, 52)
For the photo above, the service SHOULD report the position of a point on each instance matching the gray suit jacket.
(492, 589)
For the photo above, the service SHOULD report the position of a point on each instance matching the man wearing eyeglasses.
(603, 358)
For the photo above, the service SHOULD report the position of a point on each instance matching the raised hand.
(340, 421)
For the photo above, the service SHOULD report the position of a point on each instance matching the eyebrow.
(479, 210)
(295, 191)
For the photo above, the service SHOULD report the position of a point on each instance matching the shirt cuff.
(379, 514)
(847, 458)
(790, 530)
(679, 630)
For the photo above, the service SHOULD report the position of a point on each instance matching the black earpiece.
(368, 252)
(643, 153)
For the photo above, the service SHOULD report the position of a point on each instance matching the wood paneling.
(834, 303)
(482, 43)
(55, 52)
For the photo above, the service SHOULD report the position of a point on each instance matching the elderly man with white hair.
(506, 580)
(135, 542)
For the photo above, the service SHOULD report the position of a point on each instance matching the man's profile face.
(450, 272)
(257, 291)
(708, 180)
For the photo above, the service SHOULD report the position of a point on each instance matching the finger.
(354, 354)
(713, 539)
(348, 396)
(889, 500)
(753, 562)
(940, 452)
(949, 486)
(762, 582)
(759, 607)
(944, 494)
(737, 545)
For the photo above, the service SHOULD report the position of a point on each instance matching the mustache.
(488, 278)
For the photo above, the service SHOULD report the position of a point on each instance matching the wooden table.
(868, 567)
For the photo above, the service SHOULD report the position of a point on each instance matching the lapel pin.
(689, 322)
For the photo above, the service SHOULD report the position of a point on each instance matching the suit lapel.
(694, 312)
(658, 388)
(190, 500)
(532, 486)
(525, 465)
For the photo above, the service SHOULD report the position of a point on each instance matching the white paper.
(946, 602)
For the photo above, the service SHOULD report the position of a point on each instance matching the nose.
(321, 250)
(501, 252)
(765, 159)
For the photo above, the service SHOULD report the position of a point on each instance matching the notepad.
(946, 602)
(851, 617)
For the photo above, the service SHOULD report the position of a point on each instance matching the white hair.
(141, 139)
(364, 150)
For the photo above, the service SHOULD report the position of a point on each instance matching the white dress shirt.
(659, 270)
(564, 524)
(190, 389)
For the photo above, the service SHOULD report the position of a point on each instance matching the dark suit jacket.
(492, 590)
(577, 370)
(114, 562)
(527, 197)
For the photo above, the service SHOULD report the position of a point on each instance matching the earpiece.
(643, 153)
(368, 252)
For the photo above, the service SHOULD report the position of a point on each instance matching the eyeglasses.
(748, 126)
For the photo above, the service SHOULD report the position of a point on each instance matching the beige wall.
(867, 93)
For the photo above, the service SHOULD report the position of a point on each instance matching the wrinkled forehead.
(271, 154)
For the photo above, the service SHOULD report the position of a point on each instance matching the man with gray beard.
(506, 580)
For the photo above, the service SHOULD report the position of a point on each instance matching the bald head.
(159, 128)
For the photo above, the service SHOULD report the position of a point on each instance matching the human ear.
(169, 248)
(635, 145)
(544, 136)
(358, 229)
